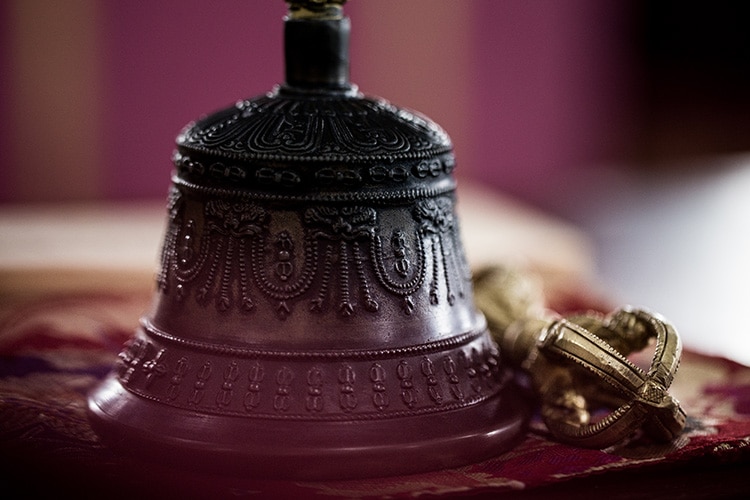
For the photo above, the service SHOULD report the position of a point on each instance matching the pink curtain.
(93, 93)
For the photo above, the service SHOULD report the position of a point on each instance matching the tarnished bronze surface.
(314, 315)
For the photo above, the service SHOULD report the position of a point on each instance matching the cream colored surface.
(46, 248)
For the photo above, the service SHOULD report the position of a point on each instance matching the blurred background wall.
(93, 93)
(629, 118)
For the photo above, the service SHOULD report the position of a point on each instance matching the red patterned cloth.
(53, 350)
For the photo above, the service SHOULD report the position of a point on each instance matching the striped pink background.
(93, 92)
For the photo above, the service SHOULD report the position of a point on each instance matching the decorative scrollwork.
(335, 385)
(287, 290)
(285, 128)
(404, 288)
(222, 249)
(174, 209)
(227, 225)
(438, 225)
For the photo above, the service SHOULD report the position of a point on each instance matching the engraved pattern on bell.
(276, 127)
(312, 286)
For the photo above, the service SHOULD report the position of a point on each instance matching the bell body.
(313, 316)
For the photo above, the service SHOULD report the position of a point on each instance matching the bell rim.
(305, 450)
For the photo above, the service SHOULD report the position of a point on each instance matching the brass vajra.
(578, 365)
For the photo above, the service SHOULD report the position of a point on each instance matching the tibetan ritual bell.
(314, 315)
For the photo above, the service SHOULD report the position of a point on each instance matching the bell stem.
(316, 49)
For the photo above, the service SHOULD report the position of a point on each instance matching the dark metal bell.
(314, 314)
